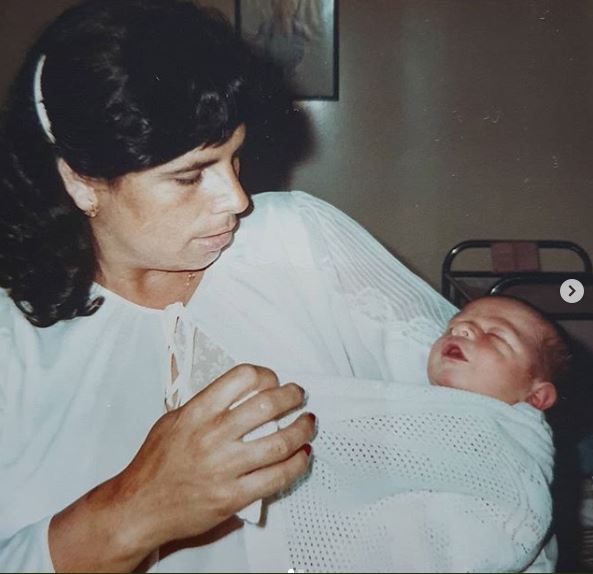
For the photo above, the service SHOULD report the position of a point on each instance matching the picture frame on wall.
(301, 36)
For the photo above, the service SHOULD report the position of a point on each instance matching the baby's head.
(502, 348)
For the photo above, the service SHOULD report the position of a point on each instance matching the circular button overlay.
(572, 291)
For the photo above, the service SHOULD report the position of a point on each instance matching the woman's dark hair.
(127, 85)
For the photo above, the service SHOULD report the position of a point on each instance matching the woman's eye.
(189, 181)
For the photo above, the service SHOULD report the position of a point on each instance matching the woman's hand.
(192, 473)
(195, 470)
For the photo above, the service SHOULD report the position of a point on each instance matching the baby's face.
(491, 348)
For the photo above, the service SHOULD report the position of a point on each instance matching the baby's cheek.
(433, 366)
(443, 375)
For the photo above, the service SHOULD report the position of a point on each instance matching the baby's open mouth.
(453, 351)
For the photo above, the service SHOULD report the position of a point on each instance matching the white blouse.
(302, 287)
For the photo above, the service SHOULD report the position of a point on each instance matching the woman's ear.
(542, 396)
(79, 189)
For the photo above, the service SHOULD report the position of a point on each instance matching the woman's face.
(177, 216)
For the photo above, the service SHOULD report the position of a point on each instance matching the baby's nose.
(462, 330)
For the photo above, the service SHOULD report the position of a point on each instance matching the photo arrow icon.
(572, 291)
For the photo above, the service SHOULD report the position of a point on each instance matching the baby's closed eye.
(502, 336)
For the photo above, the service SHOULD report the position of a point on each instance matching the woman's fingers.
(275, 478)
(277, 447)
(219, 400)
(197, 453)
(234, 385)
(265, 406)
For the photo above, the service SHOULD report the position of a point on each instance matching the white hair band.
(39, 104)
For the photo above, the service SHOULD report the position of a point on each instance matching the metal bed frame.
(458, 292)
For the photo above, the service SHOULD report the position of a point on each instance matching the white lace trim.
(198, 360)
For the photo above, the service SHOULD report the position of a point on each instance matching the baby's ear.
(542, 396)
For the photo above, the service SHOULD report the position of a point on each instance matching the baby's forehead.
(500, 309)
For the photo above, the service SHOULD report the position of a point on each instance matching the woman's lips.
(216, 242)
(454, 352)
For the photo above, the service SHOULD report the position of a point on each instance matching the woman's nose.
(230, 196)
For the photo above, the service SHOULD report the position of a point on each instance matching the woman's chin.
(204, 260)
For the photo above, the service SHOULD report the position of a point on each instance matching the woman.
(128, 287)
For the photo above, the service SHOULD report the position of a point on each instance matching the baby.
(433, 481)
(503, 348)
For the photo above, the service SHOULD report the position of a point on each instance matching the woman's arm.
(98, 533)
(382, 307)
(192, 473)
(361, 264)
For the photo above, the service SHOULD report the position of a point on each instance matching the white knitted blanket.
(412, 478)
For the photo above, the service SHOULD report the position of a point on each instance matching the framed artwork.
(301, 36)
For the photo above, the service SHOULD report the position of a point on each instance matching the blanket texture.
(414, 478)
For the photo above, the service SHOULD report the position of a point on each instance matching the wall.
(456, 120)
(459, 120)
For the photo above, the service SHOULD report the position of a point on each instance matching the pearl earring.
(92, 210)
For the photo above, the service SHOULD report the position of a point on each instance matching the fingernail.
(312, 417)
(308, 448)
(305, 395)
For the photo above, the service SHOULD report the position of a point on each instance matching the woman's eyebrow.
(198, 165)
(195, 166)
